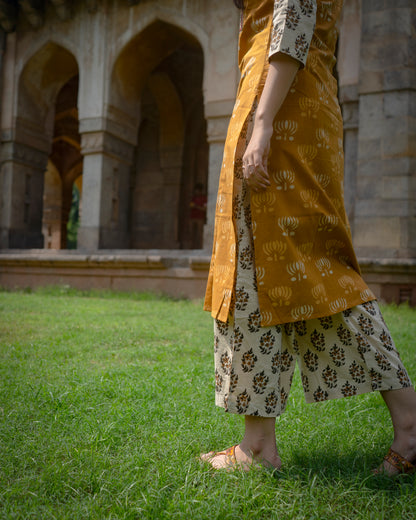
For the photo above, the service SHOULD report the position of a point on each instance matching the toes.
(207, 456)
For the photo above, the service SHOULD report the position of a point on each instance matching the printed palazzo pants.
(341, 355)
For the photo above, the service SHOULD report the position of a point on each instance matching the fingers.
(256, 176)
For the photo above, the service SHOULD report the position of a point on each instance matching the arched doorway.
(171, 158)
(66, 160)
(47, 134)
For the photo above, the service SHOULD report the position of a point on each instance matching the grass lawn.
(106, 400)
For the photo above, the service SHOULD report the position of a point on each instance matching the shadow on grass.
(322, 467)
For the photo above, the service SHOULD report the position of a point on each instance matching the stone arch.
(158, 99)
(126, 88)
(130, 38)
(42, 78)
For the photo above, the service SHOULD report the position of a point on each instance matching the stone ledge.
(176, 273)
(392, 280)
(146, 259)
(399, 266)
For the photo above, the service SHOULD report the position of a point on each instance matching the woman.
(284, 282)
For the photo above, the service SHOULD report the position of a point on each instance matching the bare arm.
(282, 71)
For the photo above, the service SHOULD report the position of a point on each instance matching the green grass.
(107, 399)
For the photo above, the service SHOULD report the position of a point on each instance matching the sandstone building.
(129, 101)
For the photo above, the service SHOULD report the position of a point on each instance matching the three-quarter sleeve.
(293, 26)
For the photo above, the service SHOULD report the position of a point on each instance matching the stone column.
(349, 103)
(348, 68)
(171, 164)
(21, 202)
(105, 189)
(218, 116)
(384, 220)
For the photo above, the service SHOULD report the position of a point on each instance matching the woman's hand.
(281, 73)
(255, 157)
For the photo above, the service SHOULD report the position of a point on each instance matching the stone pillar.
(218, 116)
(349, 103)
(105, 189)
(21, 202)
(348, 68)
(384, 220)
(171, 194)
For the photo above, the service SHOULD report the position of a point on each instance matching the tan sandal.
(230, 459)
(231, 462)
(402, 465)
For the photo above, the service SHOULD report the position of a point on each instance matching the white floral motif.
(296, 271)
(347, 283)
(284, 180)
(326, 11)
(323, 138)
(302, 313)
(338, 305)
(323, 93)
(288, 225)
(309, 107)
(307, 153)
(323, 179)
(366, 295)
(285, 130)
(328, 222)
(337, 164)
(266, 318)
(319, 294)
(274, 250)
(310, 198)
(305, 251)
(280, 296)
(260, 272)
(263, 202)
(324, 266)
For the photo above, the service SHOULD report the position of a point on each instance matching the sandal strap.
(400, 463)
(230, 456)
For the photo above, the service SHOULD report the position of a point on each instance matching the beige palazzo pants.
(345, 354)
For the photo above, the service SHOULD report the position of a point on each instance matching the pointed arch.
(41, 78)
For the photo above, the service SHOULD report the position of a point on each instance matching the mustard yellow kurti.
(305, 264)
